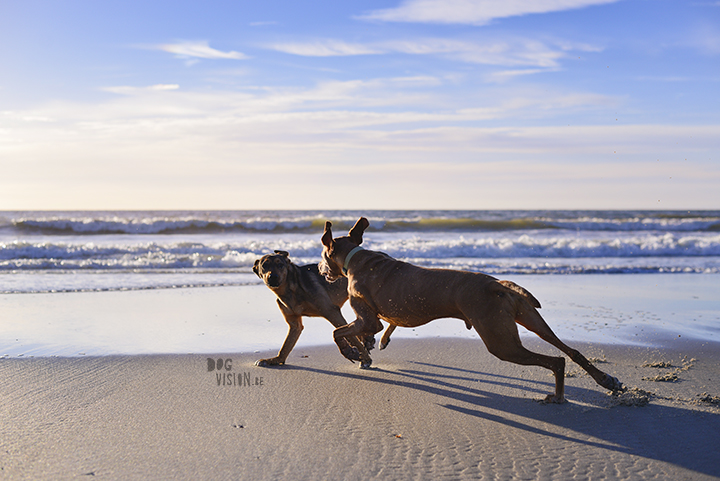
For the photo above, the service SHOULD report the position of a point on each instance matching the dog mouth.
(327, 272)
(273, 280)
(331, 278)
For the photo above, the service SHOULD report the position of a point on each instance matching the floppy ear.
(327, 239)
(356, 232)
(283, 253)
(255, 267)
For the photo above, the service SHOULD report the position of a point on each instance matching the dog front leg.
(348, 333)
(365, 325)
(350, 347)
(295, 328)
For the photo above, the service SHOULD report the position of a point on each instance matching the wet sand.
(606, 309)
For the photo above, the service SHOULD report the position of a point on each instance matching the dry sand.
(430, 409)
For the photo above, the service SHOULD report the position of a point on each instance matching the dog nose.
(273, 280)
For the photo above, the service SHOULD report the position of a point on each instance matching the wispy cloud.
(128, 90)
(183, 139)
(325, 48)
(505, 75)
(474, 12)
(199, 49)
(510, 51)
(393, 110)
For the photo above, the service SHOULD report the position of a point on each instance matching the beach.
(167, 405)
(431, 409)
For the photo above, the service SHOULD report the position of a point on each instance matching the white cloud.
(127, 90)
(164, 87)
(396, 115)
(509, 51)
(325, 48)
(513, 52)
(505, 75)
(149, 149)
(474, 12)
(199, 49)
(328, 106)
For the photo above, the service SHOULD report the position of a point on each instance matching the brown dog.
(302, 291)
(405, 295)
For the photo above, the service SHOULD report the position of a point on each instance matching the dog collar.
(348, 257)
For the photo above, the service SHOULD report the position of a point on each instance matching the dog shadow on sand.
(678, 435)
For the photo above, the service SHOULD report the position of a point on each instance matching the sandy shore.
(430, 409)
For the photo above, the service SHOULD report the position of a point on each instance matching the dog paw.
(369, 342)
(612, 384)
(383, 345)
(553, 399)
(269, 362)
(366, 364)
(351, 353)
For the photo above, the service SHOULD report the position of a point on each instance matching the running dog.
(302, 291)
(405, 295)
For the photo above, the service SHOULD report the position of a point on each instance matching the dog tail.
(522, 291)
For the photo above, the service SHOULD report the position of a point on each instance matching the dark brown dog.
(405, 295)
(302, 291)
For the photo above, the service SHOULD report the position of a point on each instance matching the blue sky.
(405, 104)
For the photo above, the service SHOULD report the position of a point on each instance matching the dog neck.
(348, 257)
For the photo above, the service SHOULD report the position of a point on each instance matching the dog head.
(335, 250)
(273, 268)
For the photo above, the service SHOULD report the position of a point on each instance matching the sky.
(402, 104)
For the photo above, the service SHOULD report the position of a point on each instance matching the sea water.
(602, 276)
(79, 251)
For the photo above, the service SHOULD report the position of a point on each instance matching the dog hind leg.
(369, 339)
(505, 345)
(494, 322)
(531, 319)
(385, 340)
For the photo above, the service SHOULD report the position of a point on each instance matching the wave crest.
(389, 222)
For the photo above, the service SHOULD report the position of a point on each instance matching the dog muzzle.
(273, 280)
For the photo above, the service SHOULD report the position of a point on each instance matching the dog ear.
(283, 253)
(327, 238)
(356, 233)
(255, 267)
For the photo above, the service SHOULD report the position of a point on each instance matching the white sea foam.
(498, 242)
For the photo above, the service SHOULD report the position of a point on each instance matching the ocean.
(105, 251)
(98, 283)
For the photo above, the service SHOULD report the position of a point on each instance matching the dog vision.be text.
(226, 377)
